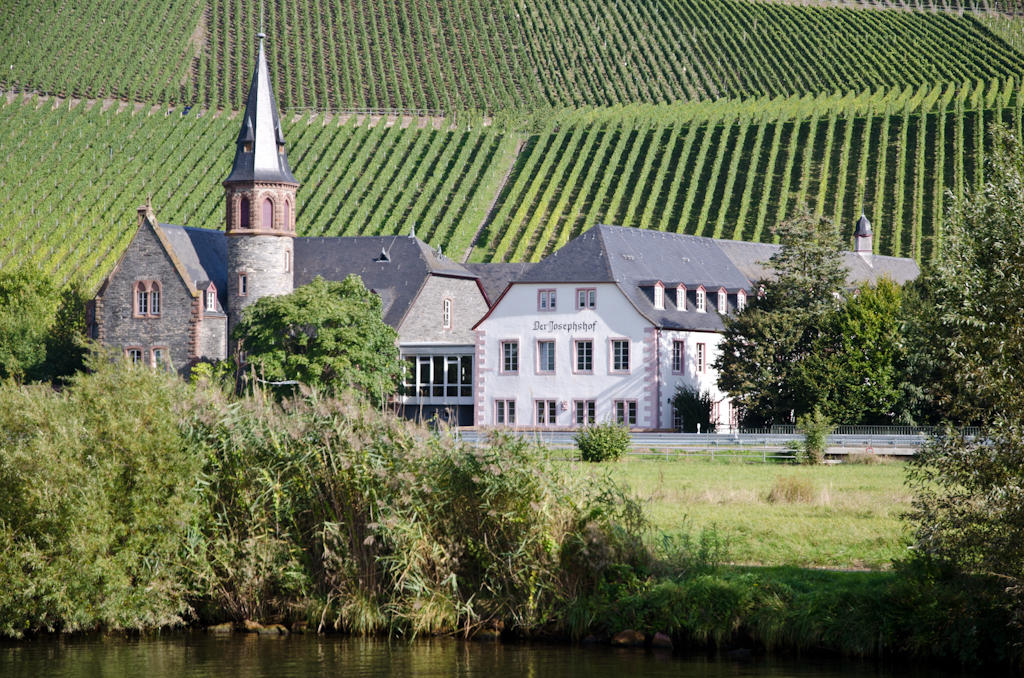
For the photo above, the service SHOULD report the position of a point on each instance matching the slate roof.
(497, 276)
(752, 257)
(261, 127)
(204, 254)
(636, 259)
(397, 281)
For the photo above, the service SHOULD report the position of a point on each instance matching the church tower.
(260, 203)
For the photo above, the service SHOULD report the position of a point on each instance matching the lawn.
(842, 516)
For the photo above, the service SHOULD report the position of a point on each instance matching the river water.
(196, 655)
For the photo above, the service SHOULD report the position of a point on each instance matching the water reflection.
(196, 655)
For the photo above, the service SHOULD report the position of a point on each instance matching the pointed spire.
(260, 155)
(412, 231)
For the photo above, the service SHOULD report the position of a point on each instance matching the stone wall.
(262, 259)
(213, 339)
(146, 259)
(423, 323)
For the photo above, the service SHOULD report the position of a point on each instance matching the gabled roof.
(203, 253)
(261, 131)
(497, 276)
(752, 259)
(397, 281)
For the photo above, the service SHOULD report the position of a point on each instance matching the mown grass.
(842, 516)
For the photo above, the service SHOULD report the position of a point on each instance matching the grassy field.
(843, 516)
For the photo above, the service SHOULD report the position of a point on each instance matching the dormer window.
(659, 296)
(741, 300)
(247, 147)
(681, 297)
(723, 302)
(702, 300)
(280, 148)
(211, 298)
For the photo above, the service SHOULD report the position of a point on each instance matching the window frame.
(140, 297)
(267, 200)
(678, 356)
(627, 405)
(702, 358)
(243, 284)
(576, 355)
(129, 350)
(550, 297)
(287, 261)
(702, 300)
(518, 356)
(502, 405)
(155, 298)
(741, 300)
(681, 297)
(550, 410)
(589, 412)
(659, 297)
(723, 301)
(538, 365)
(589, 298)
(153, 360)
(611, 355)
(446, 313)
(211, 298)
(244, 212)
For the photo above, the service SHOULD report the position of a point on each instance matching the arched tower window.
(287, 215)
(141, 299)
(243, 213)
(268, 213)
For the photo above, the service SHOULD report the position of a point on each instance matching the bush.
(791, 490)
(816, 427)
(606, 441)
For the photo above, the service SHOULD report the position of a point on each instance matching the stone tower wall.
(262, 258)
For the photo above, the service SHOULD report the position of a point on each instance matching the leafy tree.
(28, 300)
(855, 372)
(65, 346)
(764, 346)
(695, 408)
(324, 334)
(969, 491)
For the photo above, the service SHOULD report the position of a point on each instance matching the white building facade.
(587, 357)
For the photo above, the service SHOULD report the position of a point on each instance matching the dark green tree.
(764, 347)
(324, 334)
(695, 408)
(66, 347)
(968, 508)
(28, 300)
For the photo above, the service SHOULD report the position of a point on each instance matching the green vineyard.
(446, 55)
(72, 178)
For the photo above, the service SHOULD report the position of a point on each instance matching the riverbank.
(135, 502)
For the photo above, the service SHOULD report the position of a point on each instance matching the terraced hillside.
(485, 54)
(733, 170)
(71, 179)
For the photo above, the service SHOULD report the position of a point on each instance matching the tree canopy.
(969, 490)
(324, 334)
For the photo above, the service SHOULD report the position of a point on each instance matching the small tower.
(260, 202)
(862, 238)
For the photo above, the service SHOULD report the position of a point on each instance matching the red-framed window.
(547, 412)
(505, 412)
(586, 412)
(545, 300)
(586, 298)
(678, 353)
(625, 412)
(584, 356)
(509, 357)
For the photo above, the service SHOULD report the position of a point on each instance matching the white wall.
(517, 318)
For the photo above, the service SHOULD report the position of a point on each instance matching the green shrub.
(606, 441)
(816, 427)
